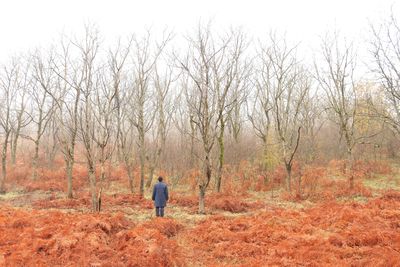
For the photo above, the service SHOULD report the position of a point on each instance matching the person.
(160, 197)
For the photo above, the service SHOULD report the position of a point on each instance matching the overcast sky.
(26, 24)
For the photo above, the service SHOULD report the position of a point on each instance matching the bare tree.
(51, 141)
(126, 136)
(117, 61)
(10, 79)
(145, 59)
(66, 96)
(104, 126)
(335, 76)
(385, 49)
(163, 109)
(259, 110)
(184, 123)
(204, 96)
(88, 83)
(287, 83)
(230, 73)
(235, 116)
(42, 102)
(312, 121)
(22, 119)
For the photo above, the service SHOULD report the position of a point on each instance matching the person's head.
(160, 179)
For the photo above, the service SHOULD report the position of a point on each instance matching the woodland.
(271, 158)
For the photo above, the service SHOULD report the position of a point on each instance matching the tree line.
(125, 103)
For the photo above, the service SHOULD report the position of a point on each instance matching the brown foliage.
(225, 202)
(51, 238)
(331, 234)
(82, 200)
(366, 169)
(166, 226)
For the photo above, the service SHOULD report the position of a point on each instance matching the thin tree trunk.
(204, 184)
(37, 143)
(202, 194)
(350, 168)
(14, 141)
(142, 165)
(69, 163)
(192, 135)
(299, 193)
(289, 177)
(221, 158)
(4, 164)
(142, 152)
(265, 155)
(102, 165)
(150, 178)
(35, 161)
(14, 149)
(3, 173)
(93, 191)
(129, 171)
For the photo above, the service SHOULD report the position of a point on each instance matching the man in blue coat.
(160, 197)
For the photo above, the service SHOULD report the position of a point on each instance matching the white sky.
(26, 24)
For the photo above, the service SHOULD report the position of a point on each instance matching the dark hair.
(160, 178)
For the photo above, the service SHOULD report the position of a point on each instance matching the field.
(248, 224)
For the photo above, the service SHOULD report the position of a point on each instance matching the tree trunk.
(129, 171)
(204, 183)
(4, 164)
(299, 193)
(289, 177)
(35, 161)
(221, 158)
(192, 142)
(69, 163)
(202, 194)
(14, 149)
(265, 162)
(3, 173)
(93, 191)
(102, 165)
(142, 165)
(150, 178)
(350, 168)
(99, 199)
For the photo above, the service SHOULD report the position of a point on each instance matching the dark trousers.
(160, 211)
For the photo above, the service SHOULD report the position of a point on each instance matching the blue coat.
(160, 194)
